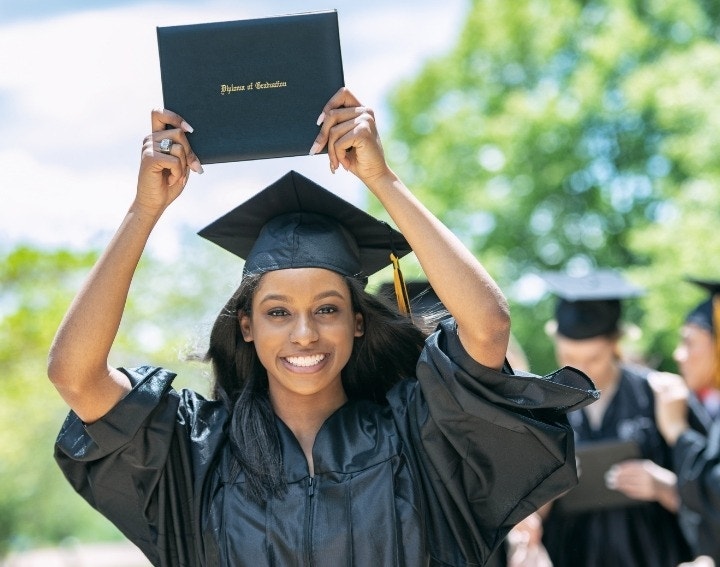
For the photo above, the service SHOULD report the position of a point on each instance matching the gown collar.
(358, 428)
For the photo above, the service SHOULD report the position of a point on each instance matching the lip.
(305, 363)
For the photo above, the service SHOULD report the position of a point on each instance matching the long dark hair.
(387, 352)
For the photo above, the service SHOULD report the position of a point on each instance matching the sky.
(78, 80)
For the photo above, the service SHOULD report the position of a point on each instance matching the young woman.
(696, 457)
(644, 528)
(339, 433)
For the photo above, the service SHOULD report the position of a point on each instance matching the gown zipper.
(308, 520)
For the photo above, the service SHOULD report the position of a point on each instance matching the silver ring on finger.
(166, 145)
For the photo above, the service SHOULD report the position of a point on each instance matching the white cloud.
(75, 96)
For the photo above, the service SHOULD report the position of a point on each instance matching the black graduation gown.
(436, 477)
(697, 465)
(643, 534)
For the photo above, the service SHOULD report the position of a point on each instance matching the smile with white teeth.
(305, 360)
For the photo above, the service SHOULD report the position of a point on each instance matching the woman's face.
(695, 356)
(303, 326)
(596, 357)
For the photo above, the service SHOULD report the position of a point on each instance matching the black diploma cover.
(594, 460)
(251, 89)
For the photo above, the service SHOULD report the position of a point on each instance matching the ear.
(359, 325)
(245, 327)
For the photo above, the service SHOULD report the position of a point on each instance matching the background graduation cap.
(296, 223)
(707, 313)
(589, 306)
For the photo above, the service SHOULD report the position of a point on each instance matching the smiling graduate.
(338, 433)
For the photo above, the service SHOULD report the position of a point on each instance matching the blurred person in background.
(633, 519)
(696, 457)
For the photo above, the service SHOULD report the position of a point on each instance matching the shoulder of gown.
(491, 446)
(140, 466)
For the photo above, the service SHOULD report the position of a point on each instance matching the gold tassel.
(716, 332)
(401, 292)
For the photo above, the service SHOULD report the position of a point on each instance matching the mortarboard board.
(296, 223)
(589, 306)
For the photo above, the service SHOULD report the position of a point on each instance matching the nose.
(304, 332)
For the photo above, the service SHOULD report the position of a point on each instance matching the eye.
(277, 312)
(327, 310)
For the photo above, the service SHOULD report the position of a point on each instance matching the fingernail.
(315, 148)
(197, 167)
(186, 127)
(321, 118)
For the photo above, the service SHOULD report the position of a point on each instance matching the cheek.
(699, 367)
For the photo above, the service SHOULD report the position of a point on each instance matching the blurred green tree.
(559, 134)
(166, 321)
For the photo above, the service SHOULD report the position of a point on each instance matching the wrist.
(148, 211)
(673, 433)
(382, 178)
(664, 486)
(143, 215)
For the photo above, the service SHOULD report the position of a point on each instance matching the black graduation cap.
(704, 313)
(589, 306)
(296, 223)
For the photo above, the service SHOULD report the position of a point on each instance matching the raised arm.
(78, 360)
(461, 282)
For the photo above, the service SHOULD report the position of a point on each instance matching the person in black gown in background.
(645, 530)
(696, 457)
(339, 433)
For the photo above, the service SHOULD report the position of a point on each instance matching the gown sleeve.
(493, 446)
(139, 465)
(697, 464)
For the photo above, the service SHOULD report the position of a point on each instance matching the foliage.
(33, 288)
(170, 306)
(560, 134)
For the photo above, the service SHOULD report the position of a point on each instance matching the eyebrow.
(287, 299)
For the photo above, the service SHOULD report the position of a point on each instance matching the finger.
(341, 139)
(330, 120)
(178, 138)
(161, 118)
(177, 150)
(344, 114)
(347, 143)
(340, 122)
(343, 97)
(173, 161)
(343, 106)
(345, 135)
